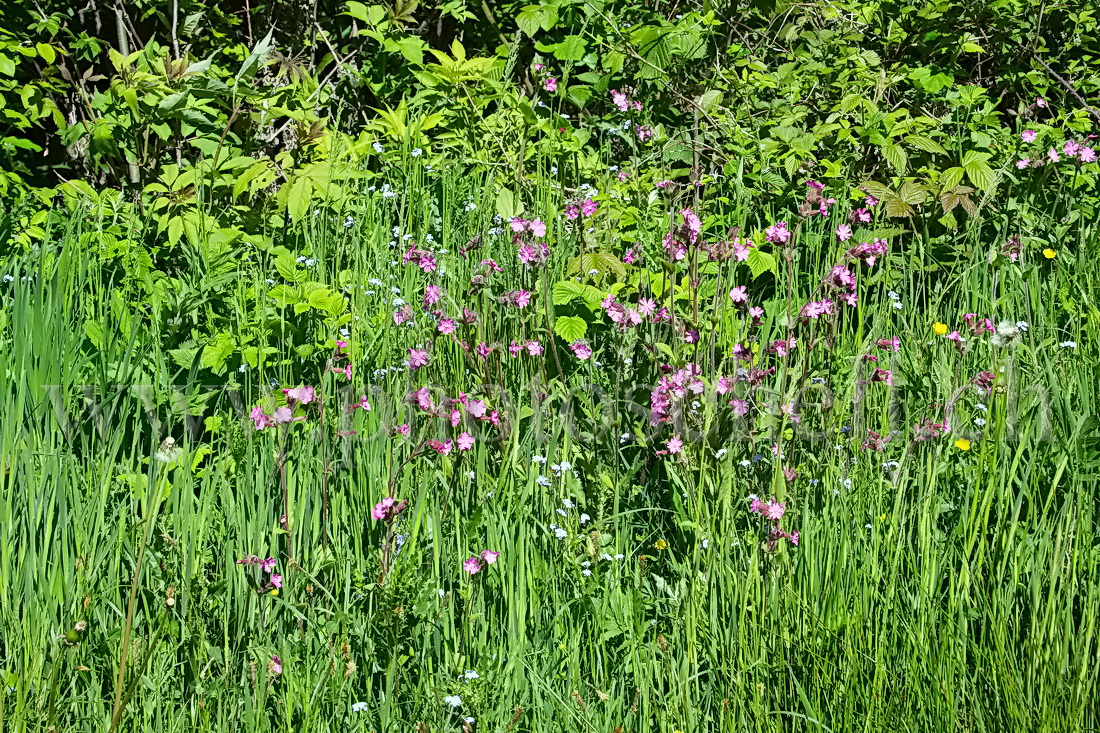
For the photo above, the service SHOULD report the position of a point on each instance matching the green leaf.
(896, 157)
(298, 197)
(760, 262)
(926, 144)
(529, 20)
(952, 177)
(507, 204)
(570, 328)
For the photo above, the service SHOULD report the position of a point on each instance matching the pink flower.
(740, 407)
(267, 565)
(663, 184)
(465, 441)
(645, 133)
(675, 445)
(883, 375)
(954, 336)
(581, 350)
(432, 294)
(1086, 155)
(862, 215)
(301, 395)
(646, 306)
(446, 325)
(534, 348)
(1028, 136)
(537, 227)
(362, 404)
(403, 430)
(283, 415)
(778, 233)
(572, 211)
(620, 100)
(1023, 163)
(589, 207)
(1040, 102)
(275, 666)
(757, 314)
(517, 224)
(773, 510)
(417, 358)
(489, 556)
(630, 257)
(423, 399)
(550, 85)
(1052, 154)
(870, 201)
(483, 350)
(693, 224)
(739, 295)
(843, 232)
(427, 263)
(388, 509)
(402, 314)
(893, 344)
(259, 419)
(443, 449)
(472, 565)
(275, 581)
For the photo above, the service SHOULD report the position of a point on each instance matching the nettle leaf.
(217, 351)
(760, 262)
(570, 328)
(288, 269)
(926, 144)
(284, 295)
(895, 156)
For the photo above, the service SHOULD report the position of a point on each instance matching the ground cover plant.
(561, 366)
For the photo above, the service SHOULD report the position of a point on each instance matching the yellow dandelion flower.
(939, 328)
(962, 444)
(1049, 253)
(661, 545)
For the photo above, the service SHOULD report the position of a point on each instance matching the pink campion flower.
(476, 408)
(363, 404)
(424, 399)
(773, 510)
(446, 325)
(637, 106)
(472, 565)
(1086, 155)
(550, 85)
(518, 298)
(815, 185)
(275, 581)
(863, 216)
(275, 666)
(645, 133)
(418, 358)
(456, 417)
(572, 211)
(489, 556)
(427, 262)
(740, 295)
(1053, 156)
(874, 441)
(581, 349)
(1023, 163)
(402, 314)
(756, 506)
(534, 348)
(517, 224)
(841, 277)
(782, 347)
(661, 315)
(302, 395)
(340, 346)
(663, 184)
(404, 430)
(778, 233)
(843, 232)
(410, 254)
(674, 444)
(346, 370)
(1040, 102)
(622, 176)
(693, 224)
(530, 255)
(884, 376)
(954, 336)
(740, 407)
(387, 509)
(646, 306)
(691, 336)
(514, 349)
(741, 249)
(892, 343)
(589, 207)
(850, 299)
(267, 565)
(620, 100)
(465, 441)
(432, 294)
(443, 449)
(1028, 136)
(742, 352)
(283, 415)
(723, 385)
(631, 256)
(1071, 148)
(757, 315)
(537, 227)
(259, 419)
(483, 350)
(870, 201)
(675, 249)
(491, 265)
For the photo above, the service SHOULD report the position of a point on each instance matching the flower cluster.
(772, 511)
(274, 581)
(473, 565)
(388, 509)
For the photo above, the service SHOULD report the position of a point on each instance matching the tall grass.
(948, 590)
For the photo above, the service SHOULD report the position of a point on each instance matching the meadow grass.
(932, 587)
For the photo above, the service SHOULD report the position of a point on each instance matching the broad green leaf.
(570, 328)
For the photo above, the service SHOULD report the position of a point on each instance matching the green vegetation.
(728, 367)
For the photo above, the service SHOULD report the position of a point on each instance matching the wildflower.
(939, 328)
(358, 707)
(1086, 155)
(465, 441)
(661, 544)
(962, 444)
(275, 666)
(778, 233)
(489, 556)
(645, 134)
(1068, 344)
(417, 358)
(675, 445)
(581, 350)
(453, 700)
(843, 232)
(620, 100)
(572, 211)
(589, 207)
(1040, 102)
(472, 565)
(1028, 136)
(388, 509)
(893, 344)
(378, 148)
(1023, 163)
(259, 419)
(1052, 155)
(301, 395)
(1049, 253)
(550, 85)
(739, 295)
